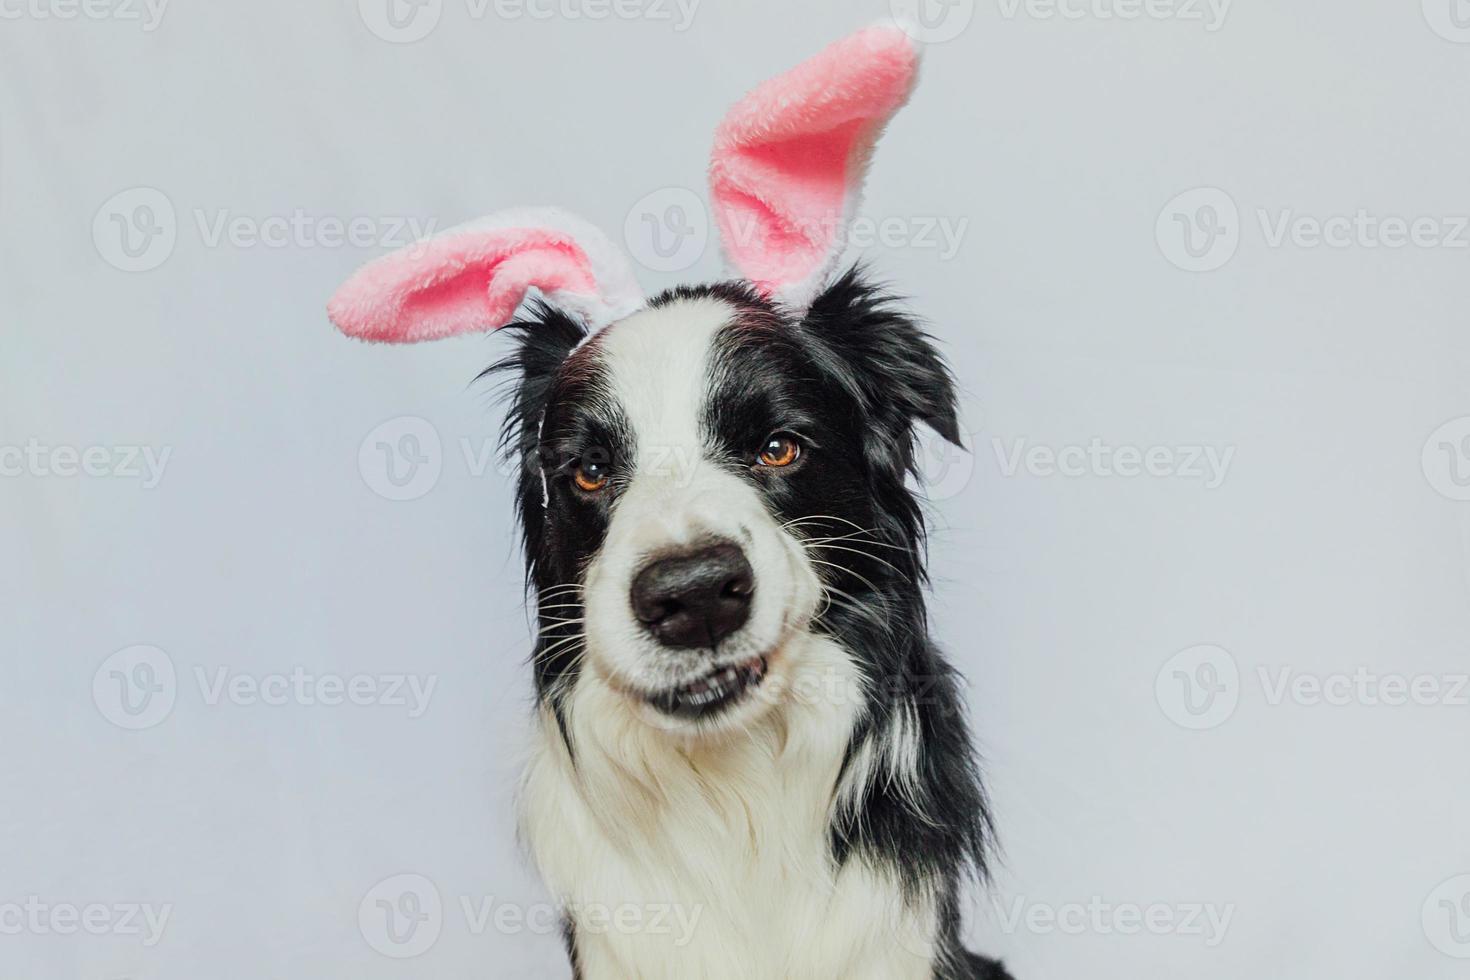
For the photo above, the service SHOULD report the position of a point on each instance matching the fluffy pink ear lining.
(790, 157)
(474, 277)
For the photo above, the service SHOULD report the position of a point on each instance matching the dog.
(741, 718)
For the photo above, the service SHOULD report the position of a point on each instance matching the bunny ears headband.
(785, 177)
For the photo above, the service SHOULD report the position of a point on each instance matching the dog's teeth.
(723, 684)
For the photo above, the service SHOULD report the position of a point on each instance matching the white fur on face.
(658, 366)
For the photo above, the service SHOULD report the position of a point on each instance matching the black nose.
(694, 599)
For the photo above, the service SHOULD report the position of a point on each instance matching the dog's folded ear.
(789, 159)
(881, 357)
(475, 276)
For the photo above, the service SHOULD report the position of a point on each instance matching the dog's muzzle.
(694, 599)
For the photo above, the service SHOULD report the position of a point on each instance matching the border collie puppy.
(743, 725)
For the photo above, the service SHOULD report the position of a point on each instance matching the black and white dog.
(742, 716)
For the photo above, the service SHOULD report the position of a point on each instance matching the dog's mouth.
(714, 692)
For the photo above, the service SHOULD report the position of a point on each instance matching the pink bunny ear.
(790, 157)
(475, 276)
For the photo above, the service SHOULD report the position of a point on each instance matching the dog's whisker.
(554, 593)
(859, 539)
(558, 625)
(547, 651)
(836, 547)
(818, 518)
(843, 568)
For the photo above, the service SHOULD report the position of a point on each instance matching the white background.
(1333, 543)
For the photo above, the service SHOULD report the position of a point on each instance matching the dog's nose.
(694, 599)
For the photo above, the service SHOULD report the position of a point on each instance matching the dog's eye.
(781, 449)
(590, 475)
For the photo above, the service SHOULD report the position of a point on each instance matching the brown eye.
(590, 476)
(780, 450)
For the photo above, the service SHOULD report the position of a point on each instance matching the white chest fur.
(684, 860)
